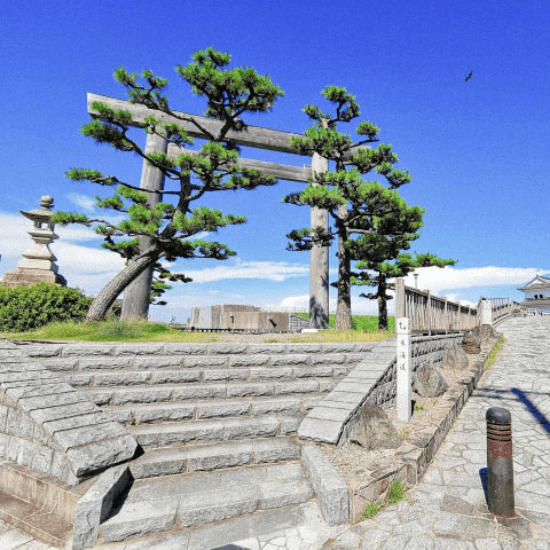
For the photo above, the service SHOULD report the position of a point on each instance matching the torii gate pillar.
(137, 293)
(318, 260)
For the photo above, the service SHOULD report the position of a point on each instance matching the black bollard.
(500, 467)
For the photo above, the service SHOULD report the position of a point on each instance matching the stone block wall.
(48, 426)
(295, 322)
(425, 350)
(373, 382)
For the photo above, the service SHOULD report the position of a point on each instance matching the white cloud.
(84, 201)
(363, 306)
(272, 271)
(438, 279)
(15, 240)
(295, 301)
(455, 297)
(86, 260)
(76, 233)
(199, 236)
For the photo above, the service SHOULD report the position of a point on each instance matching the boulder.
(485, 332)
(429, 382)
(374, 430)
(455, 357)
(471, 344)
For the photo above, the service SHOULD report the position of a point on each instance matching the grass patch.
(494, 351)
(115, 330)
(365, 329)
(370, 510)
(344, 336)
(396, 494)
(360, 322)
(112, 331)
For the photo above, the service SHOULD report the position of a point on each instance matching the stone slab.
(330, 488)
(95, 506)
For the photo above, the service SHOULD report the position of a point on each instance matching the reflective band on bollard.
(500, 467)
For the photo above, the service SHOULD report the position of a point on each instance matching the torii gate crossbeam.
(251, 136)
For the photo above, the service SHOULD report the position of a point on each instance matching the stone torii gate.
(136, 295)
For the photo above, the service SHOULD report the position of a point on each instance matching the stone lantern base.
(21, 276)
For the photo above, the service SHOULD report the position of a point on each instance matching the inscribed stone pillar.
(403, 333)
(136, 295)
(318, 260)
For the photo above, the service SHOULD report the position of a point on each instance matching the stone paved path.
(447, 510)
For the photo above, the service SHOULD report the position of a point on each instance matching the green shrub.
(26, 308)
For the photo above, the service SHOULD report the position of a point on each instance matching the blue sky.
(477, 150)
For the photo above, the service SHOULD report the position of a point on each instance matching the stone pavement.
(447, 510)
(11, 539)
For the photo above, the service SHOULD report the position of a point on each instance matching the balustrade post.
(400, 307)
(428, 312)
(486, 312)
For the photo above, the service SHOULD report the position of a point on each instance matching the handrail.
(428, 312)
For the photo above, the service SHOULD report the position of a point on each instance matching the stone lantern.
(38, 262)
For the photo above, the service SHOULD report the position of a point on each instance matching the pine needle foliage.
(382, 256)
(156, 232)
(355, 206)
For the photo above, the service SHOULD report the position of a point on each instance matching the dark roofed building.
(537, 294)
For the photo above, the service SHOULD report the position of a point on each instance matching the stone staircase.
(217, 426)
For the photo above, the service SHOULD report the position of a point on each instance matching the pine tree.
(382, 256)
(166, 227)
(354, 205)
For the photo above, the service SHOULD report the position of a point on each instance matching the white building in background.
(537, 294)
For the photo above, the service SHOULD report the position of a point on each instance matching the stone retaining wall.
(53, 350)
(414, 456)
(373, 381)
(425, 350)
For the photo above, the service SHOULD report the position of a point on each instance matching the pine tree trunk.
(109, 293)
(137, 295)
(382, 305)
(343, 306)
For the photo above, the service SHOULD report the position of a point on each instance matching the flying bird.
(468, 77)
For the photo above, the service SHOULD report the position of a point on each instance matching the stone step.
(85, 364)
(180, 503)
(40, 490)
(43, 524)
(175, 393)
(98, 378)
(176, 434)
(215, 456)
(148, 413)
